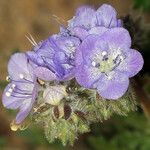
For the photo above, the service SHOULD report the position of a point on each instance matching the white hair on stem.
(31, 39)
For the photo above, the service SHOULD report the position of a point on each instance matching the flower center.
(107, 63)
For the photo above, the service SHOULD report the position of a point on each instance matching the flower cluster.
(90, 57)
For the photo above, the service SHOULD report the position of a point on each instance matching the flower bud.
(54, 94)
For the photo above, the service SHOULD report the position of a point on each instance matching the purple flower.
(65, 55)
(87, 18)
(42, 55)
(107, 62)
(55, 57)
(21, 92)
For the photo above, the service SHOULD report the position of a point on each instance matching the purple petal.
(44, 74)
(55, 53)
(10, 102)
(38, 46)
(132, 64)
(88, 45)
(18, 64)
(113, 88)
(87, 76)
(118, 37)
(60, 57)
(98, 30)
(85, 17)
(84, 9)
(26, 106)
(64, 31)
(92, 46)
(69, 75)
(20, 93)
(82, 33)
(79, 56)
(64, 66)
(79, 32)
(66, 44)
(24, 111)
(119, 23)
(107, 16)
(45, 52)
(34, 57)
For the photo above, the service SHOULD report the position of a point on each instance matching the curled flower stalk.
(76, 77)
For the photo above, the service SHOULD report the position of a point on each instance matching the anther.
(109, 77)
(21, 76)
(8, 78)
(10, 90)
(104, 53)
(13, 86)
(8, 94)
(70, 44)
(121, 58)
(93, 63)
(72, 48)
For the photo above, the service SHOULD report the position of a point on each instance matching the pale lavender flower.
(55, 57)
(87, 18)
(21, 92)
(107, 62)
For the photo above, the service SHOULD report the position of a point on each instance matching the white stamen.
(70, 44)
(93, 63)
(10, 90)
(21, 76)
(109, 77)
(8, 94)
(13, 86)
(71, 47)
(121, 57)
(104, 53)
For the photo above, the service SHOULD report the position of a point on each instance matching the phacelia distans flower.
(21, 92)
(87, 18)
(107, 62)
(55, 57)
(63, 84)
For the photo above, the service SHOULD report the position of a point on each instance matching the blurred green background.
(20, 17)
